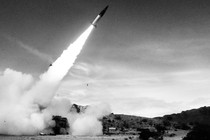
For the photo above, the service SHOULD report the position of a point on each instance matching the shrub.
(199, 132)
(146, 134)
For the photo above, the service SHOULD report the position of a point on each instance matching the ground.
(69, 137)
(179, 135)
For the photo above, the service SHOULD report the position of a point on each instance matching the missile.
(99, 16)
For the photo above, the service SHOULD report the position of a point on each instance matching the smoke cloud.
(27, 106)
(30, 49)
(88, 123)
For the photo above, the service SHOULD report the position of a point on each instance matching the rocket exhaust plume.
(62, 65)
(27, 106)
(50, 80)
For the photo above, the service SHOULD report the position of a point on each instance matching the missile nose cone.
(106, 7)
(103, 11)
(99, 16)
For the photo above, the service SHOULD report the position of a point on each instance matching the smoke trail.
(30, 49)
(50, 80)
(27, 108)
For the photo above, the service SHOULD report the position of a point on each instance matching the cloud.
(30, 49)
(135, 91)
(145, 106)
(152, 55)
(86, 70)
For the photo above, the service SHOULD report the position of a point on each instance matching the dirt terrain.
(179, 135)
(69, 137)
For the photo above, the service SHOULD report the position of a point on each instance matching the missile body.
(99, 16)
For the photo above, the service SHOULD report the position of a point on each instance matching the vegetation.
(153, 128)
(61, 125)
(146, 134)
(156, 128)
(199, 132)
(190, 117)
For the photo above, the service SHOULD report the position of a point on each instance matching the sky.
(146, 57)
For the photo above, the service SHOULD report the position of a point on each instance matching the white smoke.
(50, 80)
(17, 117)
(27, 105)
(88, 123)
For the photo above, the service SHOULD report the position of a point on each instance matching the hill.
(191, 117)
(184, 120)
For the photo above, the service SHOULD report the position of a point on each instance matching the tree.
(125, 124)
(160, 128)
(118, 117)
(199, 132)
(61, 125)
(145, 134)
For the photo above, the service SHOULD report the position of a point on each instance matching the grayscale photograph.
(104, 69)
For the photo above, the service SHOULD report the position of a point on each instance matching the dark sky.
(147, 54)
